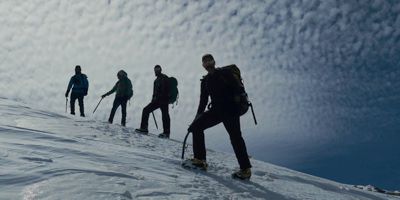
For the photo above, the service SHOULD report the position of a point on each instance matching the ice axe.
(155, 121)
(187, 135)
(184, 145)
(98, 105)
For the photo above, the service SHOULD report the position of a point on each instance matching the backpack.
(241, 97)
(173, 90)
(85, 85)
(82, 83)
(129, 92)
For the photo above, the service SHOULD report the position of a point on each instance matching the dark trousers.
(78, 96)
(165, 116)
(119, 101)
(211, 118)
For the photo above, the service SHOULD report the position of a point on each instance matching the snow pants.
(74, 97)
(211, 118)
(119, 101)
(165, 116)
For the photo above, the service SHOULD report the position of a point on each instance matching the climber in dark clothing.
(124, 92)
(221, 87)
(160, 100)
(80, 86)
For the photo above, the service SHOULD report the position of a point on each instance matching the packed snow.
(46, 155)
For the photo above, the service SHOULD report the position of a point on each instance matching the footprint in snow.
(127, 194)
(40, 160)
(264, 175)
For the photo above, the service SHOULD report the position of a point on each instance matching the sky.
(322, 75)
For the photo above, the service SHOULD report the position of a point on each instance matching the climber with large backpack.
(124, 92)
(79, 85)
(163, 94)
(228, 102)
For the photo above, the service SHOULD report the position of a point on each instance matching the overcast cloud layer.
(322, 75)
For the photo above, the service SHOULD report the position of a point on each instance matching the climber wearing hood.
(79, 85)
(124, 92)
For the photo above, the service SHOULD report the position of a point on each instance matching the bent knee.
(237, 137)
(146, 110)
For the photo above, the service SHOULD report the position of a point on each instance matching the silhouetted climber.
(226, 90)
(124, 92)
(80, 86)
(161, 97)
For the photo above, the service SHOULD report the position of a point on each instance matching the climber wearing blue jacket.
(79, 85)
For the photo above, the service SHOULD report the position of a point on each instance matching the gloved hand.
(190, 129)
(66, 94)
(102, 96)
(196, 117)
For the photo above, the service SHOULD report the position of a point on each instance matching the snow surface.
(45, 155)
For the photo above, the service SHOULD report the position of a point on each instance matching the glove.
(197, 116)
(190, 129)
(102, 96)
(66, 94)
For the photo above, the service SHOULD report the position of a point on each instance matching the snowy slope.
(45, 155)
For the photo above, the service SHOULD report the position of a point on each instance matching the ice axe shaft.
(66, 104)
(97, 105)
(252, 111)
(155, 121)
(184, 146)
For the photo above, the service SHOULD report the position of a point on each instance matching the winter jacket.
(123, 88)
(161, 89)
(79, 84)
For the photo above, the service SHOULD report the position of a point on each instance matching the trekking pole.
(66, 104)
(184, 146)
(252, 111)
(155, 121)
(98, 104)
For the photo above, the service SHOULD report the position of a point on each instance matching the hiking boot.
(82, 115)
(195, 163)
(72, 113)
(142, 130)
(163, 135)
(242, 174)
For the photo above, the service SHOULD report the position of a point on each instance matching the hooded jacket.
(123, 87)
